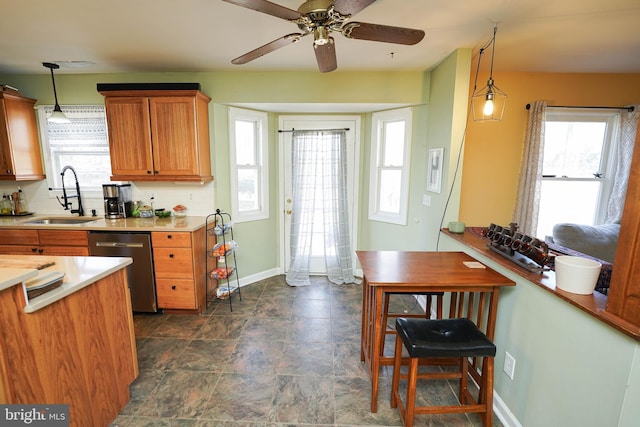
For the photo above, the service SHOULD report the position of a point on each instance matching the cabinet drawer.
(64, 251)
(175, 293)
(173, 263)
(171, 240)
(18, 250)
(63, 238)
(19, 237)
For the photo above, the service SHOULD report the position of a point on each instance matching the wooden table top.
(399, 268)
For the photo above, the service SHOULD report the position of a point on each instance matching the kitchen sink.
(60, 221)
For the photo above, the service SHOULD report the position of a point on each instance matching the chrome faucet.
(67, 204)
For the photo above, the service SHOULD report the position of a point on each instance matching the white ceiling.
(205, 35)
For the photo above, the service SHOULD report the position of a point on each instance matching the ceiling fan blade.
(382, 33)
(351, 7)
(326, 56)
(269, 8)
(268, 48)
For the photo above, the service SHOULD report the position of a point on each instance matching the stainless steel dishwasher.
(140, 273)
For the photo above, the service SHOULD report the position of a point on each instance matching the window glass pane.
(573, 149)
(246, 142)
(248, 189)
(566, 201)
(82, 143)
(393, 144)
(390, 185)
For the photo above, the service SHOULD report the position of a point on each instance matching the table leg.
(363, 333)
(378, 296)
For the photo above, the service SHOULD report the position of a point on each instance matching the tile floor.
(283, 357)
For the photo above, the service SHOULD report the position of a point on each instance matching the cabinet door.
(129, 136)
(173, 124)
(20, 155)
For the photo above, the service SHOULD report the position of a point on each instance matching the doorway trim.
(314, 121)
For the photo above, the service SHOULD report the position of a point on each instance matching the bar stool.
(385, 312)
(457, 338)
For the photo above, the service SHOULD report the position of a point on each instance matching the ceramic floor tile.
(284, 357)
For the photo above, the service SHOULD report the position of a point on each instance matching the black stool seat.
(443, 338)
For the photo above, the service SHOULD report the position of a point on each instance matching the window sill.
(594, 304)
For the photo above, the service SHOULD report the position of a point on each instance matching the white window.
(390, 154)
(577, 172)
(83, 144)
(249, 160)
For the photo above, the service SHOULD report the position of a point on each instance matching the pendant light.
(57, 116)
(488, 103)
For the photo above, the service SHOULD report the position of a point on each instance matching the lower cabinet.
(44, 242)
(179, 270)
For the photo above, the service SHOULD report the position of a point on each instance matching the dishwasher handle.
(118, 245)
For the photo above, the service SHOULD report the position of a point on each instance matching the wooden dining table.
(399, 272)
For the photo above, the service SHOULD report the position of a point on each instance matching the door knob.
(288, 211)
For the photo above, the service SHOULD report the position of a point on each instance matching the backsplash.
(198, 198)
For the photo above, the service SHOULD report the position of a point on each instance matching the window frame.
(378, 121)
(260, 118)
(43, 112)
(607, 159)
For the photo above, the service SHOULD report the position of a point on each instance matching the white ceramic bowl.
(577, 275)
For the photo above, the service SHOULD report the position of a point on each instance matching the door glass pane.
(573, 149)
(390, 182)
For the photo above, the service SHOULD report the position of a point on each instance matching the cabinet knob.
(170, 255)
(9, 171)
(148, 172)
(156, 172)
(40, 250)
(34, 249)
(169, 236)
(173, 287)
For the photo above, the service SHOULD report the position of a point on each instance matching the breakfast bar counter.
(74, 344)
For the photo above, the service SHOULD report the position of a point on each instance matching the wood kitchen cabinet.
(158, 135)
(20, 154)
(44, 242)
(179, 270)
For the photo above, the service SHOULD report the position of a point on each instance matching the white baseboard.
(248, 280)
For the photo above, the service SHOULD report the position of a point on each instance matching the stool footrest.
(449, 409)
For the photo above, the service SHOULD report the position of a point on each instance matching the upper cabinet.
(20, 155)
(158, 132)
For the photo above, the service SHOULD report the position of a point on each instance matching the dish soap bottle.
(5, 205)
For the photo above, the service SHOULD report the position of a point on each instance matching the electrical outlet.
(509, 364)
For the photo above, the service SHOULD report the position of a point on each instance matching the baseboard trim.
(253, 278)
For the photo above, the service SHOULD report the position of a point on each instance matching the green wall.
(258, 241)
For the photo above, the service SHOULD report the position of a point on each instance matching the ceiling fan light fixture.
(57, 116)
(321, 36)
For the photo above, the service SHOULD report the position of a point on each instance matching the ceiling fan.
(321, 18)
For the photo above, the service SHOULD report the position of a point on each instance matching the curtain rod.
(315, 130)
(629, 109)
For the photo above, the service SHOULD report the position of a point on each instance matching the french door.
(287, 123)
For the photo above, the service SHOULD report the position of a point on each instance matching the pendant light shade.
(488, 103)
(57, 116)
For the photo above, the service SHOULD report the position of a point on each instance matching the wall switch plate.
(509, 364)
(426, 200)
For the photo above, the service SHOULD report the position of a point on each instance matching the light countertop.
(80, 272)
(188, 223)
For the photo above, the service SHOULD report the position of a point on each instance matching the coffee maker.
(117, 200)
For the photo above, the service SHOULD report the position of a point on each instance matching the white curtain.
(320, 208)
(623, 152)
(529, 186)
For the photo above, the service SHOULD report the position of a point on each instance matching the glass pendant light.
(57, 116)
(488, 103)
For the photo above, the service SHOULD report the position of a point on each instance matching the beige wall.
(493, 149)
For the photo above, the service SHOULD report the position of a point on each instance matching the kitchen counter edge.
(188, 223)
(80, 272)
